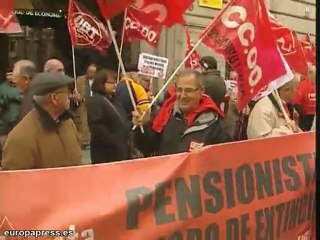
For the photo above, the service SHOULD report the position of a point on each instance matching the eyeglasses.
(186, 90)
(109, 82)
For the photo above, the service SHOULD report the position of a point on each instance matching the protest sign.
(152, 65)
(239, 190)
(216, 4)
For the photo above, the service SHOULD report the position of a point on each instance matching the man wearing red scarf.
(305, 100)
(187, 121)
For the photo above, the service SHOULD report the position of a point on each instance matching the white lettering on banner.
(86, 27)
(151, 8)
(149, 34)
(244, 27)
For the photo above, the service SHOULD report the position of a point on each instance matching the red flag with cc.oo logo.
(139, 25)
(166, 12)
(194, 60)
(242, 34)
(86, 31)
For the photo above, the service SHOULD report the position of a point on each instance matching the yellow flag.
(217, 4)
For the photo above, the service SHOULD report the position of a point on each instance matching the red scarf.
(165, 112)
(171, 90)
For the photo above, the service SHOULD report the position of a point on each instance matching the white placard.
(152, 65)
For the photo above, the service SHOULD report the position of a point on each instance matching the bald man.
(54, 65)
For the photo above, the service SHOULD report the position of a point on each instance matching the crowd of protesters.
(47, 118)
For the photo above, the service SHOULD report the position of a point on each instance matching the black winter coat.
(176, 137)
(215, 86)
(109, 130)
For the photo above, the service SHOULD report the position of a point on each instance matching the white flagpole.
(122, 40)
(122, 67)
(74, 68)
(277, 96)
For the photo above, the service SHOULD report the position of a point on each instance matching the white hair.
(25, 68)
(50, 64)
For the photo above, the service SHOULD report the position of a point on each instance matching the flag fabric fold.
(110, 8)
(290, 47)
(242, 34)
(194, 61)
(166, 12)
(8, 20)
(309, 49)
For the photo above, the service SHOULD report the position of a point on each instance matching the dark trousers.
(305, 122)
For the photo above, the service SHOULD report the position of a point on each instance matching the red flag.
(242, 34)
(167, 12)
(310, 54)
(85, 29)
(8, 20)
(306, 40)
(309, 49)
(194, 61)
(139, 25)
(276, 83)
(290, 47)
(110, 8)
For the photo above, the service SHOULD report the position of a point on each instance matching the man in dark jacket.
(46, 137)
(214, 84)
(187, 121)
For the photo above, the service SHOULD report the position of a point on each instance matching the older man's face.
(22, 82)
(189, 92)
(61, 98)
(58, 67)
(233, 76)
(91, 72)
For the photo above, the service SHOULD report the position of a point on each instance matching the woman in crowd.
(107, 121)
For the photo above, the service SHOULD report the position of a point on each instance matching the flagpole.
(122, 40)
(277, 96)
(74, 68)
(122, 67)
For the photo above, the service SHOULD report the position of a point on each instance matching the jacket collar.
(47, 121)
(211, 71)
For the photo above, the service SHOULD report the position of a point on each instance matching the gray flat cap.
(46, 82)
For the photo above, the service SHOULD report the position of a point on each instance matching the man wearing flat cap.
(46, 137)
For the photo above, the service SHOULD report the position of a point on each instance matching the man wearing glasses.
(46, 137)
(187, 121)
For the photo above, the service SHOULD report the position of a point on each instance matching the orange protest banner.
(261, 189)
